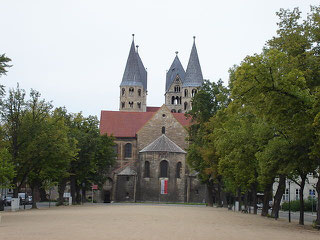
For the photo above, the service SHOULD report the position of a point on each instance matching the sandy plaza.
(146, 221)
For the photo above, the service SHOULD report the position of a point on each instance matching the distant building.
(151, 141)
(309, 191)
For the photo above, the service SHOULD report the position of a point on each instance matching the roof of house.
(193, 77)
(127, 124)
(152, 109)
(127, 171)
(175, 69)
(163, 144)
(135, 73)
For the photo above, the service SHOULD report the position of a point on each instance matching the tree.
(201, 154)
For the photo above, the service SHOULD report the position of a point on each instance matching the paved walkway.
(150, 222)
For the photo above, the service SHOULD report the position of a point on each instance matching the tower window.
(123, 105)
(173, 110)
(139, 92)
(185, 105)
(139, 105)
(164, 168)
(131, 104)
(178, 170)
(186, 92)
(172, 100)
(177, 88)
(194, 92)
(163, 130)
(131, 91)
(146, 169)
(123, 91)
(128, 150)
(179, 111)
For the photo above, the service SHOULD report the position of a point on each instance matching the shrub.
(295, 205)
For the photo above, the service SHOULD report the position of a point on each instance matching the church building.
(151, 141)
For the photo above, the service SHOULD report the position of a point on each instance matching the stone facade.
(154, 127)
(133, 99)
(151, 141)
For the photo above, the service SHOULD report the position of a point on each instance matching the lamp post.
(289, 202)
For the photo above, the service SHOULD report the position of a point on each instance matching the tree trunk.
(83, 195)
(318, 206)
(43, 194)
(61, 187)
(224, 198)
(73, 189)
(78, 195)
(277, 198)
(254, 198)
(303, 182)
(33, 191)
(239, 199)
(209, 195)
(246, 201)
(218, 195)
(266, 198)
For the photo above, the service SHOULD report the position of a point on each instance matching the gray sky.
(74, 51)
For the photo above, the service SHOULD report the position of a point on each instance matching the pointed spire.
(175, 69)
(134, 73)
(193, 77)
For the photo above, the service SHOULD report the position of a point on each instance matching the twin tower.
(180, 86)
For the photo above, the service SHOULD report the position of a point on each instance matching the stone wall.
(121, 160)
(149, 187)
(153, 129)
(125, 188)
(127, 96)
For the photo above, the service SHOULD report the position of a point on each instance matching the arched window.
(131, 104)
(185, 105)
(146, 169)
(164, 169)
(179, 100)
(194, 92)
(177, 88)
(172, 100)
(123, 91)
(139, 92)
(178, 170)
(128, 150)
(139, 105)
(186, 92)
(131, 91)
(173, 110)
(179, 111)
(123, 105)
(163, 130)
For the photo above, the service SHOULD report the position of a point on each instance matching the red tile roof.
(127, 124)
(123, 124)
(182, 119)
(152, 109)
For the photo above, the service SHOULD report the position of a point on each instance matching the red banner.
(164, 186)
(94, 187)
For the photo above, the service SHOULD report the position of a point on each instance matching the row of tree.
(42, 146)
(265, 126)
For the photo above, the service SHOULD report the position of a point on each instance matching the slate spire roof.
(175, 69)
(135, 73)
(163, 144)
(193, 77)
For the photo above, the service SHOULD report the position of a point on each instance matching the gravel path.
(128, 222)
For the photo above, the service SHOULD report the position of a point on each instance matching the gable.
(174, 129)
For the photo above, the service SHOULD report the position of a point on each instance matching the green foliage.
(7, 171)
(295, 205)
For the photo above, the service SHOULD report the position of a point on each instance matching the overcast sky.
(74, 51)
